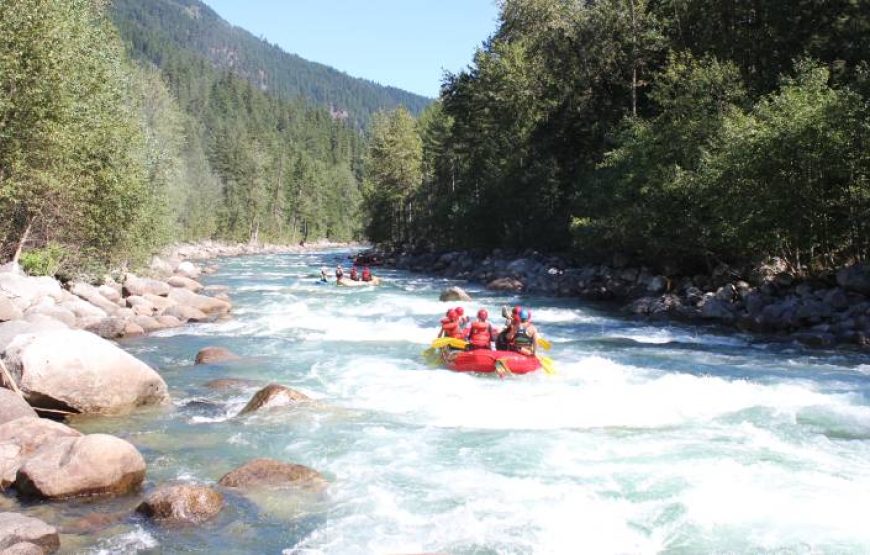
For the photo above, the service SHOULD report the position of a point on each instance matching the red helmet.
(482, 314)
(460, 311)
(516, 310)
(451, 314)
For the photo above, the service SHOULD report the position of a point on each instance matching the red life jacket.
(451, 328)
(366, 275)
(480, 334)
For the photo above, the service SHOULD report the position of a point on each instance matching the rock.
(727, 293)
(22, 437)
(168, 321)
(657, 285)
(260, 473)
(25, 291)
(212, 355)
(110, 293)
(17, 529)
(182, 504)
(12, 406)
(148, 324)
(208, 305)
(629, 274)
(184, 313)
(814, 338)
(83, 309)
(754, 302)
(185, 283)
(107, 328)
(141, 306)
(77, 371)
(132, 329)
(11, 268)
(837, 299)
(855, 278)
(453, 294)
(43, 321)
(717, 309)
(505, 284)
(58, 313)
(141, 286)
(93, 465)
(24, 548)
(813, 311)
(11, 330)
(160, 303)
(8, 310)
(92, 295)
(230, 383)
(273, 395)
(160, 267)
(188, 269)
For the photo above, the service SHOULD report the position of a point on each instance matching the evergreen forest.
(682, 132)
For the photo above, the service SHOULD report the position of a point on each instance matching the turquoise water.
(651, 438)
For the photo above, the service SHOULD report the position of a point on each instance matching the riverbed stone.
(185, 313)
(273, 395)
(107, 328)
(505, 284)
(111, 293)
(90, 466)
(78, 371)
(92, 295)
(182, 504)
(141, 306)
(837, 299)
(208, 305)
(8, 310)
(185, 283)
(12, 406)
(259, 473)
(83, 309)
(212, 355)
(168, 321)
(25, 291)
(18, 531)
(855, 278)
(188, 269)
(134, 285)
(22, 437)
(58, 313)
(453, 294)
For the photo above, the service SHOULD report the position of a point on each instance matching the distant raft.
(486, 360)
(345, 282)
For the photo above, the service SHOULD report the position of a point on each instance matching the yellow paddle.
(547, 364)
(544, 344)
(454, 342)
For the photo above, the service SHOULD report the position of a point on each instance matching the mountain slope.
(159, 30)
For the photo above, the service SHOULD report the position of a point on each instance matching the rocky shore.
(57, 359)
(766, 299)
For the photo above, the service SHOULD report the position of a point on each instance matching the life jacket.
(480, 335)
(366, 276)
(522, 339)
(354, 275)
(339, 274)
(451, 328)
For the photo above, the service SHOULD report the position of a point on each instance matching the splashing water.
(649, 439)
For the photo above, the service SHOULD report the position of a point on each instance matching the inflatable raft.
(485, 360)
(347, 282)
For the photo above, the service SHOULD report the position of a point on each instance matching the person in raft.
(462, 318)
(323, 275)
(354, 275)
(511, 319)
(366, 274)
(523, 337)
(481, 334)
(450, 325)
(339, 273)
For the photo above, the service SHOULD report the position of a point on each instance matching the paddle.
(547, 364)
(454, 342)
(544, 344)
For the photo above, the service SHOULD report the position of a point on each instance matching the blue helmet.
(524, 315)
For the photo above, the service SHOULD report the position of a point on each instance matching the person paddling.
(366, 274)
(323, 275)
(481, 333)
(523, 336)
(339, 273)
(511, 318)
(450, 325)
(354, 275)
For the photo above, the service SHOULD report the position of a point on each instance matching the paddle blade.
(449, 342)
(502, 368)
(547, 364)
(544, 344)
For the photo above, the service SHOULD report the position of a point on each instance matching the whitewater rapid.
(650, 439)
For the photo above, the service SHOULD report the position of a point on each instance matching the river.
(651, 438)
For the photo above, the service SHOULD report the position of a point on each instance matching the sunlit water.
(651, 438)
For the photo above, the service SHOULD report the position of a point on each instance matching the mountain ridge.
(158, 30)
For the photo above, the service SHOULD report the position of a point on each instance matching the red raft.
(484, 360)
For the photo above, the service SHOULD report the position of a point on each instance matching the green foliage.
(44, 261)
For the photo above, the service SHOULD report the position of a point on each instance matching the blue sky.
(404, 43)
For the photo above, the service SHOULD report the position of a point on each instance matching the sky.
(404, 43)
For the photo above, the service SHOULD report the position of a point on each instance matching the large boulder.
(260, 473)
(17, 532)
(25, 291)
(185, 314)
(273, 395)
(855, 278)
(107, 328)
(142, 286)
(160, 267)
(160, 303)
(148, 324)
(58, 313)
(188, 270)
(12, 406)
(208, 305)
(168, 321)
(505, 284)
(83, 309)
(185, 283)
(141, 306)
(92, 295)
(78, 371)
(212, 355)
(453, 294)
(10, 330)
(182, 504)
(8, 310)
(22, 437)
(111, 293)
(93, 465)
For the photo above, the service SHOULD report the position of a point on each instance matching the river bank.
(766, 299)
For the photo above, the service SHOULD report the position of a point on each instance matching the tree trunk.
(24, 237)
